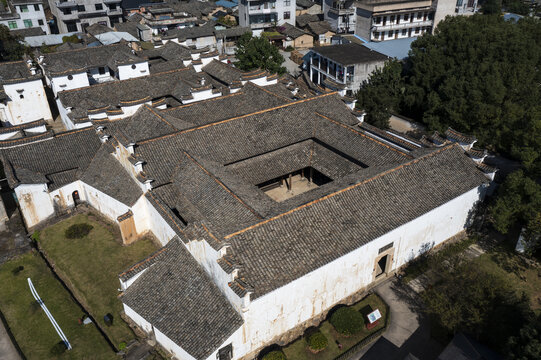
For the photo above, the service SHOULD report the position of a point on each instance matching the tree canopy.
(258, 53)
(10, 47)
(477, 74)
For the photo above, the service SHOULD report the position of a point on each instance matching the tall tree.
(10, 47)
(381, 94)
(258, 53)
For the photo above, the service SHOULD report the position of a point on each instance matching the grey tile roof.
(14, 72)
(110, 95)
(107, 175)
(303, 20)
(284, 248)
(180, 300)
(80, 60)
(57, 158)
(319, 27)
(169, 51)
(224, 73)
(291, 31)
(233, 32)
(249, 99)
(195, 32)
(350, 54)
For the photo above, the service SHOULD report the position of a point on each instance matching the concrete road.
(408, 331)
(7, 349)
(291, 67)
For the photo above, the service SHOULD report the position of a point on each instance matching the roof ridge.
(202, 101)
(270, 92)
(130, 79)
(84, 48)
(238, 117)
(159, 117)
(363, 135)
(414, 161)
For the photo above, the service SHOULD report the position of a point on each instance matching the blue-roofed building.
(397, 49)
(512, 17)
(227, 4)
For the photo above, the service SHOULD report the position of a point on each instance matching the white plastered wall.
(28, 102)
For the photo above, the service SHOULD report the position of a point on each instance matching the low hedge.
(317, 341)
(274, 355)
(347, 321)
(78, 231)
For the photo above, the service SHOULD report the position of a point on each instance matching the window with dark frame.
(36, 7)
(287, 15)
(99, 6)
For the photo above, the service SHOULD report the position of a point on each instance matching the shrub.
(289, 48)
(317, 341)
(122, 346)
(17, 270)
(78, 231)
(274, 355)
(347, 321)
(35, 236)
(58, 348)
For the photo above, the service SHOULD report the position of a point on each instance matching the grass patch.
(30, 326)
(90, 266)
(518, 274)
(299, 348)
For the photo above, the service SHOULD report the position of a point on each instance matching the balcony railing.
(401, 25)
(342, 11)
(65, 4)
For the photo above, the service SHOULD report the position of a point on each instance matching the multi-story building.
(23, 14)
(264, 14)
(341, 15)
(343, 67)
(76, 15)
(379, 20)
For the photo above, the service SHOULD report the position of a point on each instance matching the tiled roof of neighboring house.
(96, 29)
(281, 249)
(107, 175)
(291, 31)
(180, 300)
(191, 32)
(129, 27)
(14, 72)
(232, 32)
(251, 98)
(458, 136)
(350, 54)
(80, 60)
(114, 37)
(224, 73)
(23, 126)
(34, 31)
(303, 20)
(59, 159)
(319, 27)
(113, 94)
(169, 51)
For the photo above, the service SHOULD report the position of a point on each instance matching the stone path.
(7, 349)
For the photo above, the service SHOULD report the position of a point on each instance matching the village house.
(72, 16)
(226, 39)
(73, 69)
(295, 37)
(22, 96)
(343, 67)
(23, 15)
(259, 15)
(307, 7)
(254, 196)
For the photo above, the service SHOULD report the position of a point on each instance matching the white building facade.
(25, 14)
(259, 15)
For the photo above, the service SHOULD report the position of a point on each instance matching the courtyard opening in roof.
(297, 182)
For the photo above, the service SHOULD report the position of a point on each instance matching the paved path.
(291, 67)
(408, 331)
(7, 350)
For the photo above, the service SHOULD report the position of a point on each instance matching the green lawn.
(90, 266)
(299, 348)
(511, 267)
(30, 326)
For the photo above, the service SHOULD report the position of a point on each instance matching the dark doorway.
(382, 266)
(76, 198)
(225, 353)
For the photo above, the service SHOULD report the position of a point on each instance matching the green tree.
(490, 7)
(382, 93)
(10, 47)
(258, 53)
(527, 344)
(518, 203)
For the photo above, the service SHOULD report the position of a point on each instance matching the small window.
(112, 7)
(81, 8)
(66, 12)
(36, 7)
(101, 70)
(406, 17)
(71, 26)
(378, 20)
(404, 32)
(23, 8)
(419, 16)
(417, 30)
(28, 23)
(287, 3)
(21, 96)
(12, 24)
(99, 6)
(70, 77)
(287, 15)
(134, 66)
(391, 33)
(40, 22)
